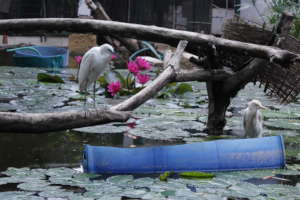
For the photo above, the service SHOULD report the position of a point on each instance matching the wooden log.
(48, 122)
(150, 33)
(202, 75)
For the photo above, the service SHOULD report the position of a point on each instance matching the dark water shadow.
(60, 149)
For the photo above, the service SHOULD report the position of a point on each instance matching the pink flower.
(114, 88)
(131, 124)
(113, 56)
(78, 59)
(133, 67)
(143, 78)
(143, 64)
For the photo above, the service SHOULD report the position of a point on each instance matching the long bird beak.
(263, 107)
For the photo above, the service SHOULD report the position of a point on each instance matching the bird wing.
(259, 117)
(86, 70)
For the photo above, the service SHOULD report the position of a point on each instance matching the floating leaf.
(43, 77)
(183, 88)
(196, 175)
(168, 193)
(165, 176)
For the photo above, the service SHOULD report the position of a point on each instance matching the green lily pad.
(19, 195)
(168, 193)
(47, 78)
(283, 124)
(271, 114)
(183, 88)
(165, 176)
(196, 175)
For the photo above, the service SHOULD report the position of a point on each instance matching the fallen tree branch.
(143, 32)
(154, 87)
(203, 75)
(47, 122)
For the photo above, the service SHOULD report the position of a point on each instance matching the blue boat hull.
(219, 155)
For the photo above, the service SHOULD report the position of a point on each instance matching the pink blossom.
(133, 67)
(78, 59)
(114, 88)
(113, 56)
(143, 64)
(143, 78)
(131, 124)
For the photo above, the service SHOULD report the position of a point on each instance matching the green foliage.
(175, 89)
(196, 175)
(165, 176)
(43, 77)
(278, 7)
(183, 88)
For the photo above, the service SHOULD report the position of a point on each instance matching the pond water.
(46, 162)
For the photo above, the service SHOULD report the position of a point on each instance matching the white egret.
(94, 62)
(252, 119)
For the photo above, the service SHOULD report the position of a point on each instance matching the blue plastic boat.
(219, 155)
(40, 56)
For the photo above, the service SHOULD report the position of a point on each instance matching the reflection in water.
(59, 149)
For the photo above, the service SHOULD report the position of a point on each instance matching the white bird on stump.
(252, 119)
(94, 62)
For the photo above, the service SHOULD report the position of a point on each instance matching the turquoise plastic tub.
(219, 155)
(41, 56)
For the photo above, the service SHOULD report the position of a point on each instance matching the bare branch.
(150, 33)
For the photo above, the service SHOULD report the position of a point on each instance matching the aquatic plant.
(114, 87)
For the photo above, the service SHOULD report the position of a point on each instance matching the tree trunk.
(220, 93)
(217, 106)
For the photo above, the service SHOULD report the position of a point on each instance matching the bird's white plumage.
(252, 119)
(94, 62)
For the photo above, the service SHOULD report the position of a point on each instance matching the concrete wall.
(219, 18)
(83, 9)
(248, 13)
(251, 14)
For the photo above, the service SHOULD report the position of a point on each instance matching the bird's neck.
(253, 111)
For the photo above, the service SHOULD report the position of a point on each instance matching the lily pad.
(165, 176)
(47, 78)
(196, 175)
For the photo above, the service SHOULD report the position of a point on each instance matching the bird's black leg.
(85, 104)
(94, 94)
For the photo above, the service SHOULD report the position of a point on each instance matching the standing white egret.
(252, 119)
(94, 62)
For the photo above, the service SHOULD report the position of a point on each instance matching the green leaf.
(183, 88)
(196, 175)
(103, 82)
(164, 176)
(164, 95)
(168, 193)
(43, 77)
(121, 78)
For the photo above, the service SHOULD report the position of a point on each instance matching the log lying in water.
(47, 122)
